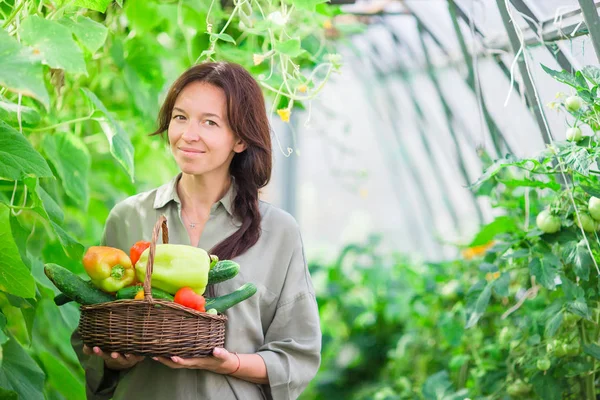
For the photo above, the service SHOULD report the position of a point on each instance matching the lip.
(189, 150)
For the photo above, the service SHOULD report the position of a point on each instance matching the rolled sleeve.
(292, 349)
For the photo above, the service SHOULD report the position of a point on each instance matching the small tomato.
(574, 134)
(573, 103)
(587, 223)
(547, 222)
(543, 364)
(594, 208)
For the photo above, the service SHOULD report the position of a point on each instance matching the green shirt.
(280, 322)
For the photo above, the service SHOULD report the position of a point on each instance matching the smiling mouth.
(191, 151)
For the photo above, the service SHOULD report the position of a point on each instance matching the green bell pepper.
(176, 266)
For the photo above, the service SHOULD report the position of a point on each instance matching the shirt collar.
(168, 192)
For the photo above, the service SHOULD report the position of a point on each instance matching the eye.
(179, 117)
(211, 122)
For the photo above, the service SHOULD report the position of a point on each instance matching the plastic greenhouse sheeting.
(408, 184)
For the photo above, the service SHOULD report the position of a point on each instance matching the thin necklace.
(191, 224)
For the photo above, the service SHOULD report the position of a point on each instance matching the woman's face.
(199, 135)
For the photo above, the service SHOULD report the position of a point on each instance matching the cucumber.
(129, 292)
(224, 302)
(222, 271)
(62, 299)
(74, 287)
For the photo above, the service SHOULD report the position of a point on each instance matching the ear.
(239, 146)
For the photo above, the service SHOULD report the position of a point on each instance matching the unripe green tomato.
(570, 320)
(587, 223)
(543, 364)
(547, 222)
(574, 134)
(594, 208)
(518, 388)
(573, 349)
(573, 103)
(560, 349)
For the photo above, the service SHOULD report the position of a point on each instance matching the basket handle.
(161, 223)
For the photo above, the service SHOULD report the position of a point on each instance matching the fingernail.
(96, 350)
(114, 355)
(217, 351)
(155, 359)
(175, 359)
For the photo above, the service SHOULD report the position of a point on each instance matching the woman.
(218, 132)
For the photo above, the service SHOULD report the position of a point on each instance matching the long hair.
(251, 168)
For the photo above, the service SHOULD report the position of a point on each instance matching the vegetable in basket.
(109, 268)
(176, 266)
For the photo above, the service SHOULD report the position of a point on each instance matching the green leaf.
(499, 165)
(19, 372)
(576, 81)
(309, 5)
(581, 260)
(72, 247)
(144, 15)
(452, 328)
(500, 225)
(72, 170)
(54, 42)
(90, 33)
(579, 307)
(571, 290)
(120, 144)
(514, 183)
(61, 378)
(592, 349)
(9, 113)
(3, 337)
(15, 277)
(478, 299)
(98, 5)
(501, 284)
(544, 272)
(54, 212)
(592, 73)
(546, 386)
(222, 36)
(579, 160)
(18, 158)
(290, 47)
(553, 324)
(8, 394)
(439, 387)
(20, 70)
(591, 190)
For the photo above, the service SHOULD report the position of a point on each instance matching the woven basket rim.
(137, 303)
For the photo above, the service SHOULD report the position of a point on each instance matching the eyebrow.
(204, 114)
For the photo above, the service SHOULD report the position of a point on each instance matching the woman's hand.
(114, 360)
(221, 362)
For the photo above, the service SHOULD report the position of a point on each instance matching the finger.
(167, 362)
(87, 350)
(97, 351)
(134, 358)
(220, 353)
(186, 362)
(117, 357)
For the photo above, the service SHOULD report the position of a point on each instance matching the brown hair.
(247, 117)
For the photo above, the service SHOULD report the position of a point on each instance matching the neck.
(199, 192)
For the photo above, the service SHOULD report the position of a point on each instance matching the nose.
(191, 132)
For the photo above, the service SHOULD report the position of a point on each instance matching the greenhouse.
(313, 199)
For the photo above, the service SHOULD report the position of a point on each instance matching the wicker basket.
(151, 327)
